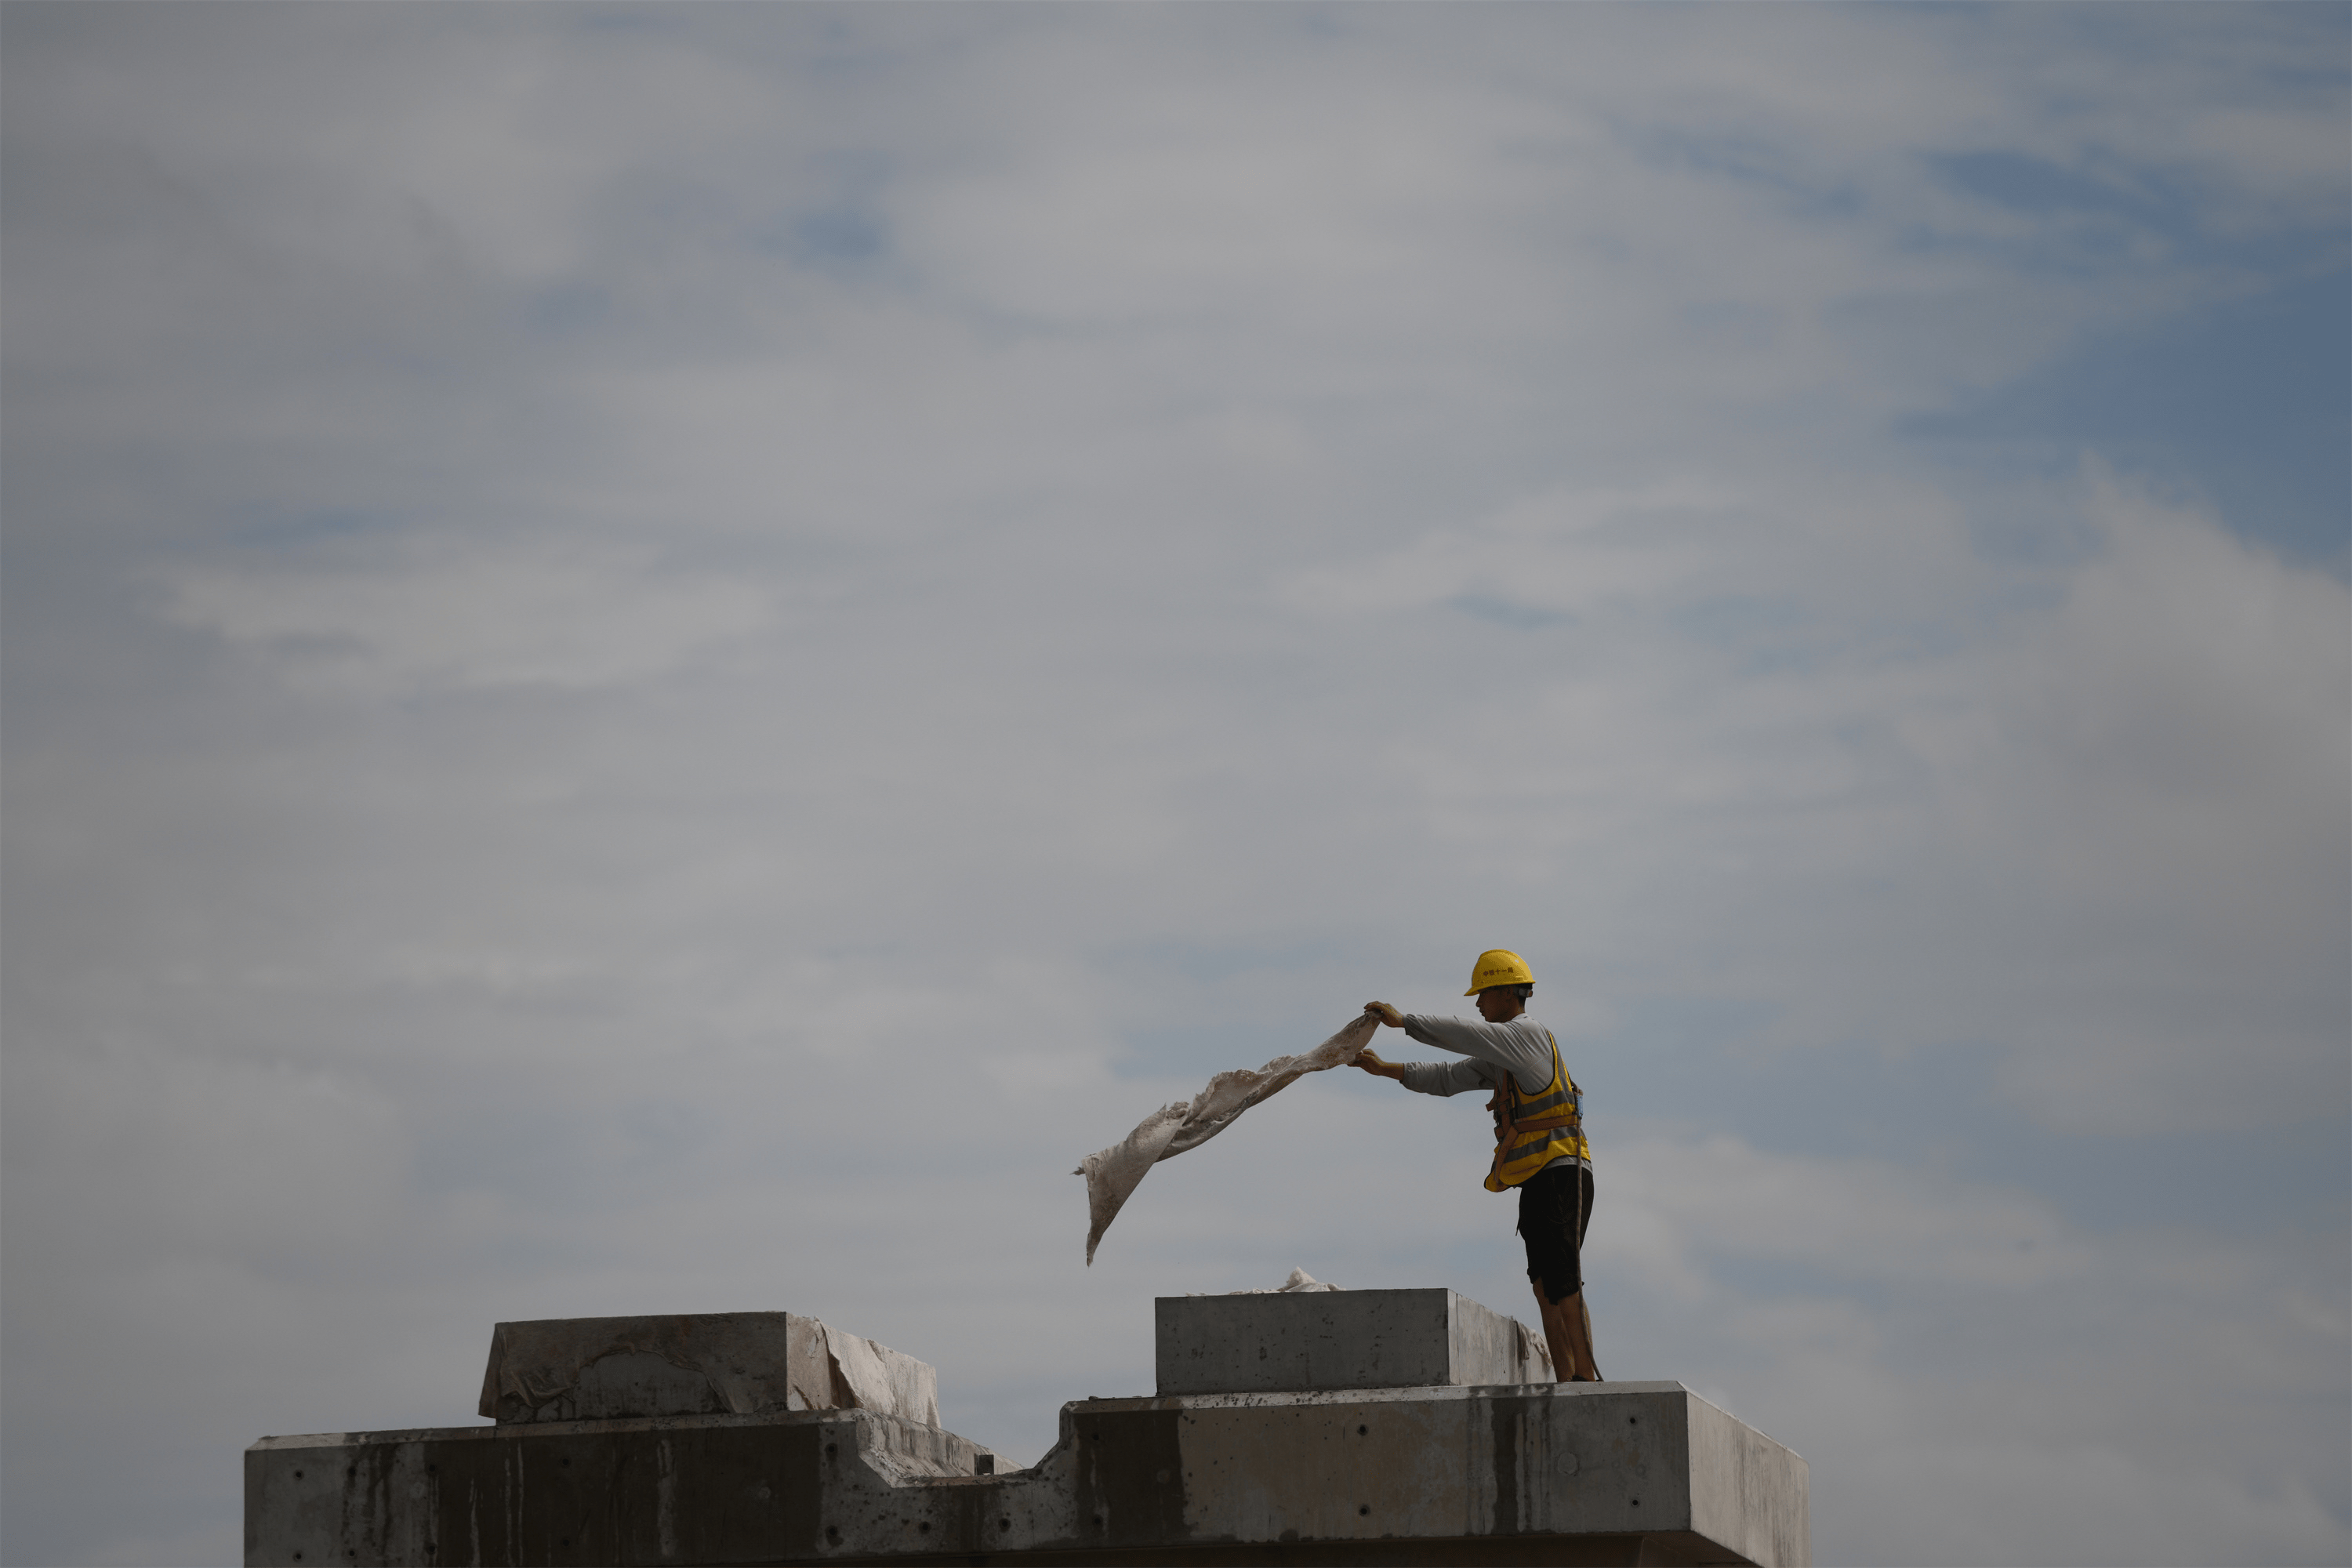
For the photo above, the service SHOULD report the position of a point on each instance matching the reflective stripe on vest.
(1544, 1127)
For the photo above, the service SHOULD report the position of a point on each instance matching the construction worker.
(1539, 1145)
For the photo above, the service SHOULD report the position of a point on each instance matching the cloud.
(462, 619)
(1857, 1218)
(1564, 554)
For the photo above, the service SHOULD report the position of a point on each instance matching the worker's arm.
(1422, 1078)
(1520, 1047)
(1523, 1049)
(1447, 1077)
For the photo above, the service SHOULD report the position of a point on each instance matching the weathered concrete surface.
(1573, 1473)
(686, 1488)
(1341, 1339)
(738, 1364)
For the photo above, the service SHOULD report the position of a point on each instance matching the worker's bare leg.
(1568, 1334)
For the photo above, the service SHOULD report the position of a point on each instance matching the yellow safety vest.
(1531, 1131)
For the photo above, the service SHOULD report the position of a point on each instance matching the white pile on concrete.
(1113, 1173)
(1300, 1283)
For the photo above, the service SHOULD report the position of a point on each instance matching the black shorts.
(1555, 1205)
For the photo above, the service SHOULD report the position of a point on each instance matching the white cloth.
(1113, 1173)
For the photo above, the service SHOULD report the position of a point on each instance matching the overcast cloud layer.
(659, 660)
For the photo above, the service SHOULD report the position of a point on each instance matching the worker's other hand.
(1385, 1014)
(1377, 1067)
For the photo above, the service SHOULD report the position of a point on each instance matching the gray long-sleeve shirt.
(1520, 1047)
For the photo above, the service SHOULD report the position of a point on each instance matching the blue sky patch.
(2246, 404)
(845, 235)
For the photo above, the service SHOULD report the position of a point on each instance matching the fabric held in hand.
(1113, 1173)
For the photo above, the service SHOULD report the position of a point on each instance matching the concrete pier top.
(1267, 1341)
(1634, 1473)
(1344, 1428)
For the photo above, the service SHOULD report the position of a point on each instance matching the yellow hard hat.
(1498, 966)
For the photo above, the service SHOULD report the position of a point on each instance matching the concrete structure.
(741, 1363)
(1340, 1338)
(1509, 1471)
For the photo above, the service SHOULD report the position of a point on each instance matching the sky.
(659, 660)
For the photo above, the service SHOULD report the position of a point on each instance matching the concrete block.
(734, 1364)
(1629, 1473)
(1358, 1427)
(674, 1490)
(1340, 1338)
(1626, 1472)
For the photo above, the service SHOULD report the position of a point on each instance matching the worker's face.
(1499, 1003)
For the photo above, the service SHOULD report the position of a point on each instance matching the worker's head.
(1502, 981)
(1501, 1004)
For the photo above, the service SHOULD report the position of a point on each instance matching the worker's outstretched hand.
(1386, 1014)
(1377, 1067)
